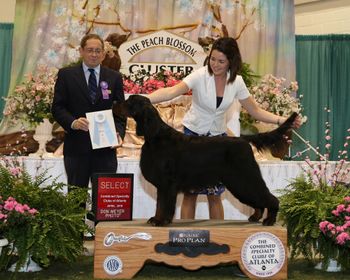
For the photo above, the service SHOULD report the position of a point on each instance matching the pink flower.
(339, 228)
(294, 86)
(3, 216)
(26, 207)
(33, 211)
(172, 82)
(323, 226)
(341, 208)
(10, 205)
(342, 238)
(19, 208)
(330, 226)
(335, 212)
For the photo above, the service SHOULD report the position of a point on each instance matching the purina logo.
(112, 265)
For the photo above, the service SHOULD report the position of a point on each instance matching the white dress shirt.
(203, 116)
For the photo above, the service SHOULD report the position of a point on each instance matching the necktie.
(92, 85)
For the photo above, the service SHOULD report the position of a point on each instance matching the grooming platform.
(123, 247)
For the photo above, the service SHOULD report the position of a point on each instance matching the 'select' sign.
(112, 197)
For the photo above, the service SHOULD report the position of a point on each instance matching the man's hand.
(120, 142)
(81, 124)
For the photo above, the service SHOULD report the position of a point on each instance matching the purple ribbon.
(105, 91)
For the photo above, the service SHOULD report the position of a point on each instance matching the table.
(277, 175)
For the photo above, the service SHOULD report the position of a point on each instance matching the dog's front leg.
(258, 213)
(165, 209)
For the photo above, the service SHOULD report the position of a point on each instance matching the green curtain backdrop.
(6, 34)
(323, 74)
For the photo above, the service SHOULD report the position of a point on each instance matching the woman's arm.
(165, 94)
(261, 115)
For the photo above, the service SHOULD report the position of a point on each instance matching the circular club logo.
(263, 254)
(112, 265)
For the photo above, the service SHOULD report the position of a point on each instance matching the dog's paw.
(269, 222)
(158, 223)
(253, 219)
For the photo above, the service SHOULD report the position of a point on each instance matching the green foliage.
(250, 79)
(248, 75)
(56, 230)
(303, 205)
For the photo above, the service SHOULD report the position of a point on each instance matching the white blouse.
(203, 116)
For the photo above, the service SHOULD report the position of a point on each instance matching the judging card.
(102, 129)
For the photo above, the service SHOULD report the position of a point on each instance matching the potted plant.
(31, 101)
(14, 216)
(309, 202)
(56, 228)
(274, 95)
(336, 229)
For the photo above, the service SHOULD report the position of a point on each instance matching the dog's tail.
(275, 140)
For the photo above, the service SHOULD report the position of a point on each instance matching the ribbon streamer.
(101, 124)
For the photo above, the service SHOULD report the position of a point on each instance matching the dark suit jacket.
(72, 100)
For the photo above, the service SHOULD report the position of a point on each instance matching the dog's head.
(142, 111)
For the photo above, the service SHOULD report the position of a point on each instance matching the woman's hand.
(296, 124)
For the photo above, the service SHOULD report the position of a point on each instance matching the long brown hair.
(229, 47)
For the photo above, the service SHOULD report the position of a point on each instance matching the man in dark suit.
(87, 87)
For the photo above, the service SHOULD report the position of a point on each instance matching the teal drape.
(6, 34)
(323, 74)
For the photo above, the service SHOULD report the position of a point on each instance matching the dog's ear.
(149, 126)
(140, 130)
(119, 109)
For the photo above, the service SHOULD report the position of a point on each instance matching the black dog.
(174, 162)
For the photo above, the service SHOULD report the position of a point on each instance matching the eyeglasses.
(96, 51)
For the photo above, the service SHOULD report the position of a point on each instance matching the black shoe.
(238, 272)
(90, 216)
(88, 237)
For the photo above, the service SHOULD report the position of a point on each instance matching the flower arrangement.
(307, 205)
(30, 220)
(14, 214)
(31, 100)
(337, 227)
(274, 95)
(144, 82)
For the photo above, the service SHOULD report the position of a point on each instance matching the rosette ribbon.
(105, 90)
(101, 123)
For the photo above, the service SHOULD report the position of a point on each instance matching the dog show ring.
(122, 248)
